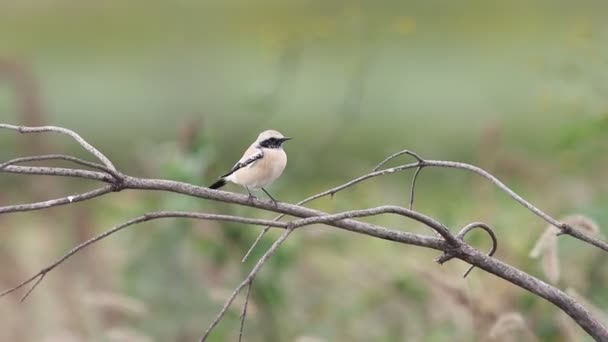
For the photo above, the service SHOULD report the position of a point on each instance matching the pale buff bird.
(261, 164)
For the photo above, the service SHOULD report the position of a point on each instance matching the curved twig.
(58, 201)
(244, 283)
(244, 311)
(74, 135)
(413, 187)
(59, 171)
(55, 157)
(460, 236)
(395, 155)
(488, 230)
(146, 217)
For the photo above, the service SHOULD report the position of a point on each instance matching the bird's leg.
(272, 198)
(251, 196)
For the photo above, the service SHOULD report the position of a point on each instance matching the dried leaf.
(550, 262)
(548, 237)
(546, 248)
(582, 222)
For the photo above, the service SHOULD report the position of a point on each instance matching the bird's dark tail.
(220, 183)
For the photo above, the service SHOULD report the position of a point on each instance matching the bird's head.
(271, 139)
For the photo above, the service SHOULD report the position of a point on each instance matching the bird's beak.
(285, 139)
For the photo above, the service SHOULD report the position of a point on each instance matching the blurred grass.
(176, 89)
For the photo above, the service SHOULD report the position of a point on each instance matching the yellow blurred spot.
(405, 25)
(323, 27)
(270, 37)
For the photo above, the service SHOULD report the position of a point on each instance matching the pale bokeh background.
(176, 89)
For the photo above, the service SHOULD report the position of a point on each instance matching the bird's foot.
(250, 196)
(271, 198)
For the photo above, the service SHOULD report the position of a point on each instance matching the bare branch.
(58, 171)
(244, 312)
(140, 219)
(55, 157)
(245, 282)
(490, 232)
(57, 202)
(74, 135)
(463, 232)
(413, 187)
(395, 155)
(40, 278)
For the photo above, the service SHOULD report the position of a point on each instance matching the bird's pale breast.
(264, 171)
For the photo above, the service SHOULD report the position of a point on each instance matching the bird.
(261, 164)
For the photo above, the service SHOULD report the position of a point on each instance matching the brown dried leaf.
(549, 237)
(550, 263)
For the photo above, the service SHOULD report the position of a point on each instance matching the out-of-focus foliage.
(177, 89)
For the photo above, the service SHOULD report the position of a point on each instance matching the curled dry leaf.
(550, 262)
(546, 249)
(582, 222)
(546, 246)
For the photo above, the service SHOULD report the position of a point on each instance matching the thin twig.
(55, 157)
(147, 217)
(58, 201)
(59, 171)
(244, 283)
(33, 287)
(74, 135)
(395, 155)
(413, 188)
(460, 236)
(244, 312)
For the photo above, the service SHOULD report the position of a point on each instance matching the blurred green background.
(176, 89)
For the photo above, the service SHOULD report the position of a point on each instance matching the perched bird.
(261, 164)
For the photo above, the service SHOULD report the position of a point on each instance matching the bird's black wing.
(245, 163)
